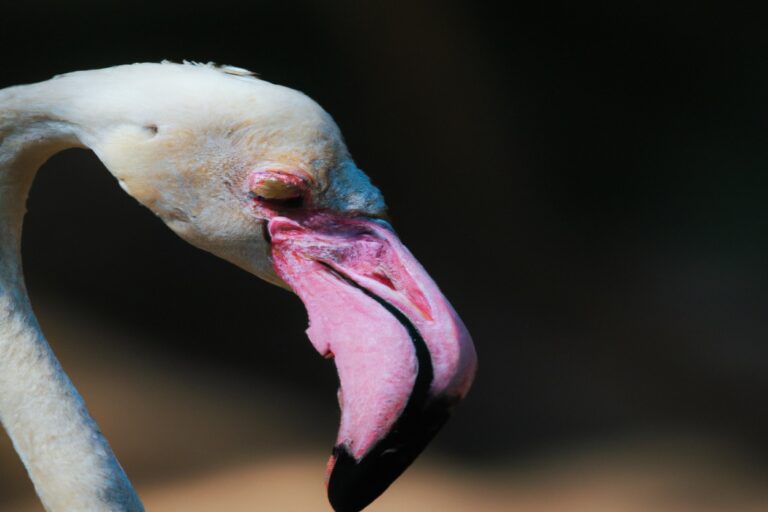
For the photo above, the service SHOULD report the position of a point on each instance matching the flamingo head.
(259, 175)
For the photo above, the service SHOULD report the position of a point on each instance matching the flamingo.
(257, 174)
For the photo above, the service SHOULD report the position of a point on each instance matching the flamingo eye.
(277, 189)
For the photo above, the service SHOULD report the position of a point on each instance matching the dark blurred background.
(586, 182)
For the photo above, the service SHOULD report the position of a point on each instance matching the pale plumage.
(223, 157)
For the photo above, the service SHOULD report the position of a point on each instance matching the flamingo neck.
(67, 457)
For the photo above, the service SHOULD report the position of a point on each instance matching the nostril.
(265, 232)
(386, 281)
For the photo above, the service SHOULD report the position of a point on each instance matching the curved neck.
(30, 133)
(67, 457)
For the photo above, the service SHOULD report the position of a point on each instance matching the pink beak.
(403, 356)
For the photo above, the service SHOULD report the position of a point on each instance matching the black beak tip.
(348, 490)
(353, 484)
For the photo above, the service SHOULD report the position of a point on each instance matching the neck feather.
(65, 453)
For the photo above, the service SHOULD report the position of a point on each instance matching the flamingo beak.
(403, 356)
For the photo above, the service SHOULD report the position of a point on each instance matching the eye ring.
(277, 189)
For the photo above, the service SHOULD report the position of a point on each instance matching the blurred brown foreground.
(196, 438)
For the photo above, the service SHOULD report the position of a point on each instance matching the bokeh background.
(585, 180)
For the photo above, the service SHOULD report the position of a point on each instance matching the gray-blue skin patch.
(351, 190)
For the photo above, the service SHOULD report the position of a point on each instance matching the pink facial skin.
(335, 264)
